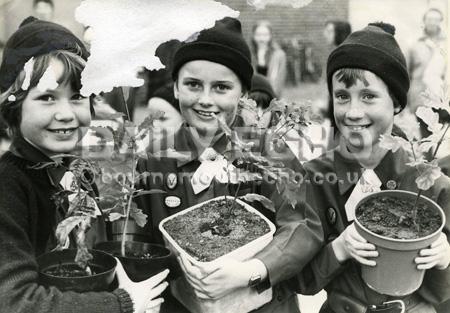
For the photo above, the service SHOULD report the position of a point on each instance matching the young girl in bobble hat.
(46, 120)
(368, 83)
(211, 74)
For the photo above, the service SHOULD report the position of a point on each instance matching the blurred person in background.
(426, 64)
(267, 57)
(336, 31)
(262, 93)
(163, 100)
(44, 9)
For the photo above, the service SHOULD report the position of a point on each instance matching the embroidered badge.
(332, 216)
(171, 180)
(391, 184)
(172, 201)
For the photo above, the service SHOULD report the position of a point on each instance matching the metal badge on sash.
(171, 181)
(332, 216)
(172, 201)
(391, 184)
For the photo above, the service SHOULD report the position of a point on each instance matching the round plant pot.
(138, 268)
(103, 264)
(133, 232)
(396, 273)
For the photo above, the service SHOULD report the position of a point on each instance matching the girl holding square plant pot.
(368, 83)
(211, 75)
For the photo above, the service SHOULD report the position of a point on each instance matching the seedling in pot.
(81, 210)
(253, 167)
(129, 142)
(428, 170)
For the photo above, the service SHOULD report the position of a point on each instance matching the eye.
(222, 87)
(369, 96)
(46, 97)
(193, 85)
(341, 97)
(77, 97)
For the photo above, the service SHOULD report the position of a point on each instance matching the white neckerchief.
(367, 184)
(213, 166)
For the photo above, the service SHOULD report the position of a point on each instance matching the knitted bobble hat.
(223, 44)
(261, 83)
(34, 38)
(374, 49)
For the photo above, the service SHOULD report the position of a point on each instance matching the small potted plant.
(141, 260)
(77, 269)
(401, 223)
(227, 226)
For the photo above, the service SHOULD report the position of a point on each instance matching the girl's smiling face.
(204, 88)
(55, 120)
(363, 108)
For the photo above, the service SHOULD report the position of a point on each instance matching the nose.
(64, 111)
(355, 111)
(205, 98)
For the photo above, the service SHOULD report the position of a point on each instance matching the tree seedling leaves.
(428, 176)
(267, 203)
(393, 143)
(430, 118)
(137, 215)
(114, 216)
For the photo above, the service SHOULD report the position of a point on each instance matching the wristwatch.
(254, 280)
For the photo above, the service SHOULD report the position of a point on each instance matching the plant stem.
(234, 200)
(440, 141)
(130, 199)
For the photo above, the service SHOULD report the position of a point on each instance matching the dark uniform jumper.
(298, 236)
(343, 282)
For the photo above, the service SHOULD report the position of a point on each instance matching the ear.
(175, 89)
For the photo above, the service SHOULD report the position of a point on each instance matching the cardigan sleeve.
(299, 234)
(20, 291)
(436, 284)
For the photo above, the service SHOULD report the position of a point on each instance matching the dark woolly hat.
(34, 38)
(262, 84)
(374, 49)
(223, 44)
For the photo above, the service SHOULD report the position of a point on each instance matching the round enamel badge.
(171, 180)
(391, 184)
(172, 201)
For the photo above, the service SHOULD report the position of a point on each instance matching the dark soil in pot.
(392, 217)
(211, 231)
(142, 260)
(58, 268)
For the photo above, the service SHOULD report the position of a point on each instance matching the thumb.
(122, 276)
(155, 280)
(208, 269)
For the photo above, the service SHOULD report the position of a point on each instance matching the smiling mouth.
(206, 113)
(357, 127)
(63, 131)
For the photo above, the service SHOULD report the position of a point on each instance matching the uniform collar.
(23, 149)
(185, 142)
(389, 169)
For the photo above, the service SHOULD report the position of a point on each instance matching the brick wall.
(305, 23)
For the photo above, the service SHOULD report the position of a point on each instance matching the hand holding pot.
(216, 281)
(143, 294)
(350, 244)
(438, 255)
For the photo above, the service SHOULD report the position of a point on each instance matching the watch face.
(254, 280)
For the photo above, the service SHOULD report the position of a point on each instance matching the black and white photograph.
(224, 156)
